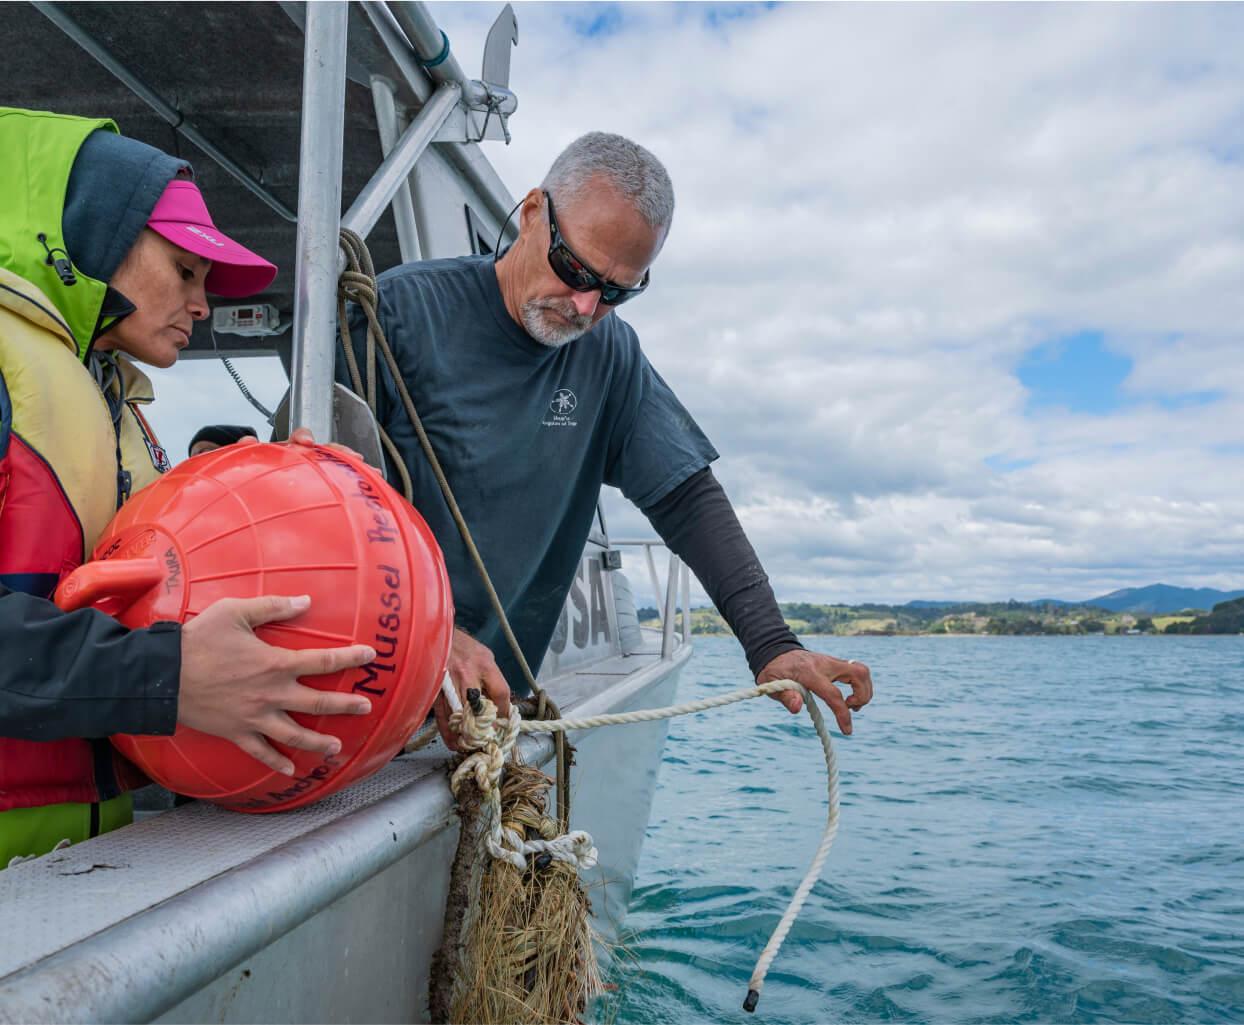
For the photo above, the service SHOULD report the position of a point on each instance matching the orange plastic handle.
(112, 585)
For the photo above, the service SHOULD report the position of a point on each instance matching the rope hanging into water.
(357, 284)
(491, 742)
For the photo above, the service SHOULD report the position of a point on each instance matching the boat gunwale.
(150, 961)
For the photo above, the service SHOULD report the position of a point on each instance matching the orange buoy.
(253, 519)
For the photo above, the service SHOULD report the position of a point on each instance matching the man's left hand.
(471, 665)
(821, 674)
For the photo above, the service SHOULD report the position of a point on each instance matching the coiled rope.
(490, 741)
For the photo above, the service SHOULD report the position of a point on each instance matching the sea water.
(1033, 830)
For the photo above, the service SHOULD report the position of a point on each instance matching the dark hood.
(113, 187)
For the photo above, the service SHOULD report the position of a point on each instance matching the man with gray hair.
(534, 393)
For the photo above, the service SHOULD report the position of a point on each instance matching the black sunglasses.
(578, 275)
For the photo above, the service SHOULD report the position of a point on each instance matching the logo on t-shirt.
(561, 409)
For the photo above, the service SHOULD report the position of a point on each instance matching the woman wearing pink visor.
(179, 258)
(107, 253)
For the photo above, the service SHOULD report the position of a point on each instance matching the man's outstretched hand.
(471, 665)
(821, 674)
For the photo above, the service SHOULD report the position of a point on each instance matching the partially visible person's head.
(612, 203)
(216, 436)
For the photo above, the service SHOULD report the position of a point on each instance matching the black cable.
(268, 415)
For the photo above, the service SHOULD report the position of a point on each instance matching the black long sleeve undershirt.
(698, 523)
(83, 674)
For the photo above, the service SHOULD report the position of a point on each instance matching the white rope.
(491, 741)
(653, 714)
(757, 982)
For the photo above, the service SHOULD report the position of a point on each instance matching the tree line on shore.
(1012, 618)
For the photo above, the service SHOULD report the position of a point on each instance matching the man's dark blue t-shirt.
(526, 434)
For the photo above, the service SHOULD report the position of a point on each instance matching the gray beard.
(552, 331)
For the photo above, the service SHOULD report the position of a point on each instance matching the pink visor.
(181, 216)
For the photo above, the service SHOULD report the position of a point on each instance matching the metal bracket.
(353, 425)
(611, 559)
(490, 102)
(477, 121)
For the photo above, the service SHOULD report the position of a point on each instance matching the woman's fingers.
(253, 744)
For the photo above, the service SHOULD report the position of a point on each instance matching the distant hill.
(1163, 598)
(1226, 618)
(1156, 599)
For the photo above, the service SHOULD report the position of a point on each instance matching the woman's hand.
(236, 686)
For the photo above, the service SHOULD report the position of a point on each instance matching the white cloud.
(198, 392)
(881, 208)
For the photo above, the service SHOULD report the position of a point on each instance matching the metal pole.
(686, 604)
(424, 193)
(611, 610)
(403, 209)
(652, 573)
(671, 598)
(429, 43)
(465, 156)
(319, 217)
(56, 15)
(377, 193)
(399, 47)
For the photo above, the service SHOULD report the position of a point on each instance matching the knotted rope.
(491, 742)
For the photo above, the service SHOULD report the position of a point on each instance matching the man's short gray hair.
(632, 170)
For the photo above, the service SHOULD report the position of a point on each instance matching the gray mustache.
(565, 308)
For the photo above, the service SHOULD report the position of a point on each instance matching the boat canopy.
(222, 85)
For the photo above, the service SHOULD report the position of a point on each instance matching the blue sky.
(594, 20)
(598, 20)
(1080, 373)
(956, 290)
(1077, 373)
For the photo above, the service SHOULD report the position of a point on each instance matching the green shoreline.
(977, 619)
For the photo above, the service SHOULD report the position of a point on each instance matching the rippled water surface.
(1033, 829)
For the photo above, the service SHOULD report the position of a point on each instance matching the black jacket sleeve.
(83, 674)
(699, 525)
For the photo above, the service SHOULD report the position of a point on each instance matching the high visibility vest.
(65, 464)
(60, 484)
